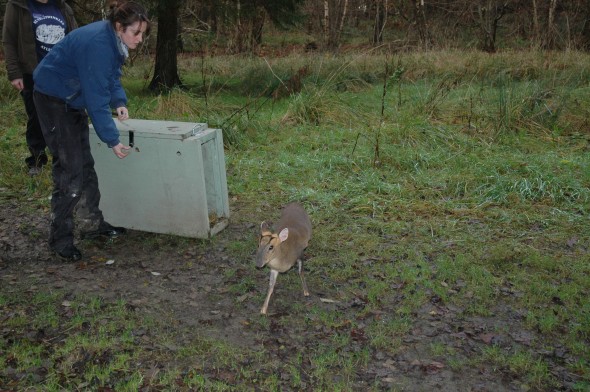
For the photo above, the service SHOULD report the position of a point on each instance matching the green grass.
(535, 372)
(470, 191)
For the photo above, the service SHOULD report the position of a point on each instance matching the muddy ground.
(190, 287)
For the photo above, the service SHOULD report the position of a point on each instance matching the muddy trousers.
(34, 135)
(66, 133)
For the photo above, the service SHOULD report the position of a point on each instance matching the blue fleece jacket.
(84, 70)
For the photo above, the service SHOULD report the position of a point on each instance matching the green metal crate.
(172, 182)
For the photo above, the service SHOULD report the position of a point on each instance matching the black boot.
(69, 253)
(36, 162)
(104, 230)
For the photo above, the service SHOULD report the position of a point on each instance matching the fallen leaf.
(329, 301)
(243, 297)
(390, 364)
(459, 335)
(522, 337)
(558, 301)
(434, 367)
(109, 262)
(437, 365)
(572, 241)
(156, 273)
(66, 304)
(487, 337)
(358, 335)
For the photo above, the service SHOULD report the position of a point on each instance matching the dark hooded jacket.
(18, 38)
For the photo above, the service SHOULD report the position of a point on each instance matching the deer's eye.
(271, 247)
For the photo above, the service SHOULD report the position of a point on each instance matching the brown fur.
(280, 250)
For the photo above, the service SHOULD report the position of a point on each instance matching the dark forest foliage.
(235, 26)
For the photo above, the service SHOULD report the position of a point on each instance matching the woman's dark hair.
(126, 13)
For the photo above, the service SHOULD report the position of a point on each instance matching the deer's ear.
(284, 234)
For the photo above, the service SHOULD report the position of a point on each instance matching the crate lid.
(158, 129)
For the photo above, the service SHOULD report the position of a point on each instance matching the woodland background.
(254, 26)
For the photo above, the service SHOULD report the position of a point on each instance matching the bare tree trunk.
(586, 28)
(342, 18)
(489, 14)
(420, 17)
(380, 20)
(257, 26)
(238, 38)
(551, 29)
(326, 22)
(536, 28)
(166, 68)
(335, 12)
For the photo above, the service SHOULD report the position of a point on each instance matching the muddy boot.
(104, 230)
(69, 253)
(35, 163)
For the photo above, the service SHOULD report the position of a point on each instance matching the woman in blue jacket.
(80, 78)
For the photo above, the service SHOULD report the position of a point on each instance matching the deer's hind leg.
(302, 276)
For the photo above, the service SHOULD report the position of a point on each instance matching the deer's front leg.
(271, 286)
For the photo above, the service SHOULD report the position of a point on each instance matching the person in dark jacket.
(80, 78)
(30, 30)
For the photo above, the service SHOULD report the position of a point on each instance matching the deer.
(281, 251)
